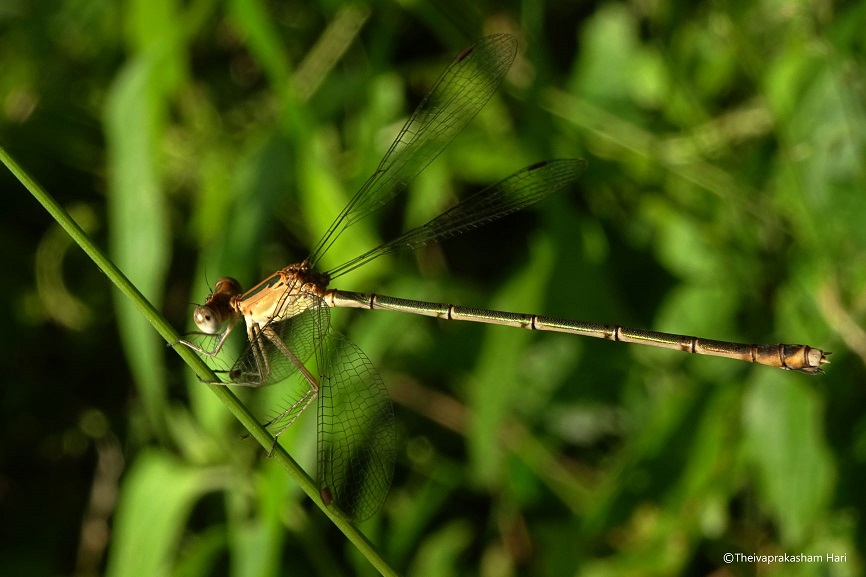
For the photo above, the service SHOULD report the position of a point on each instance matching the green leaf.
(156, 498)
(786, 447)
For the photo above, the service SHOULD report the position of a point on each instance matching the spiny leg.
(209, 353)
(301, 404)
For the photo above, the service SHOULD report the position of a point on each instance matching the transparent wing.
(357, 436)
(462, 90)
(523, 188)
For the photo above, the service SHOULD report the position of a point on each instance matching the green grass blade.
(167, 332)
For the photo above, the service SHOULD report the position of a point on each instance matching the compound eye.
(206, 319)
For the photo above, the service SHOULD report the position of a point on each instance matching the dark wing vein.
(523, 188)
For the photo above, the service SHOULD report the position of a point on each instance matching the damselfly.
(287, 314)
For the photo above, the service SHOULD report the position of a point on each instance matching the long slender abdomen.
(802, 358)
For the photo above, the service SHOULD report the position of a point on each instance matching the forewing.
(459, 94)
(523, 188)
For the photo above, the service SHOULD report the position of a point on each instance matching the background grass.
(724, 197)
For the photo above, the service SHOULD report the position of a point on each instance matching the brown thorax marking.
(271, 299)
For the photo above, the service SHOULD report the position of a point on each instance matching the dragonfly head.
(211, 316)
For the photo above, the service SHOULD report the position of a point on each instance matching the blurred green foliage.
(724, 198)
